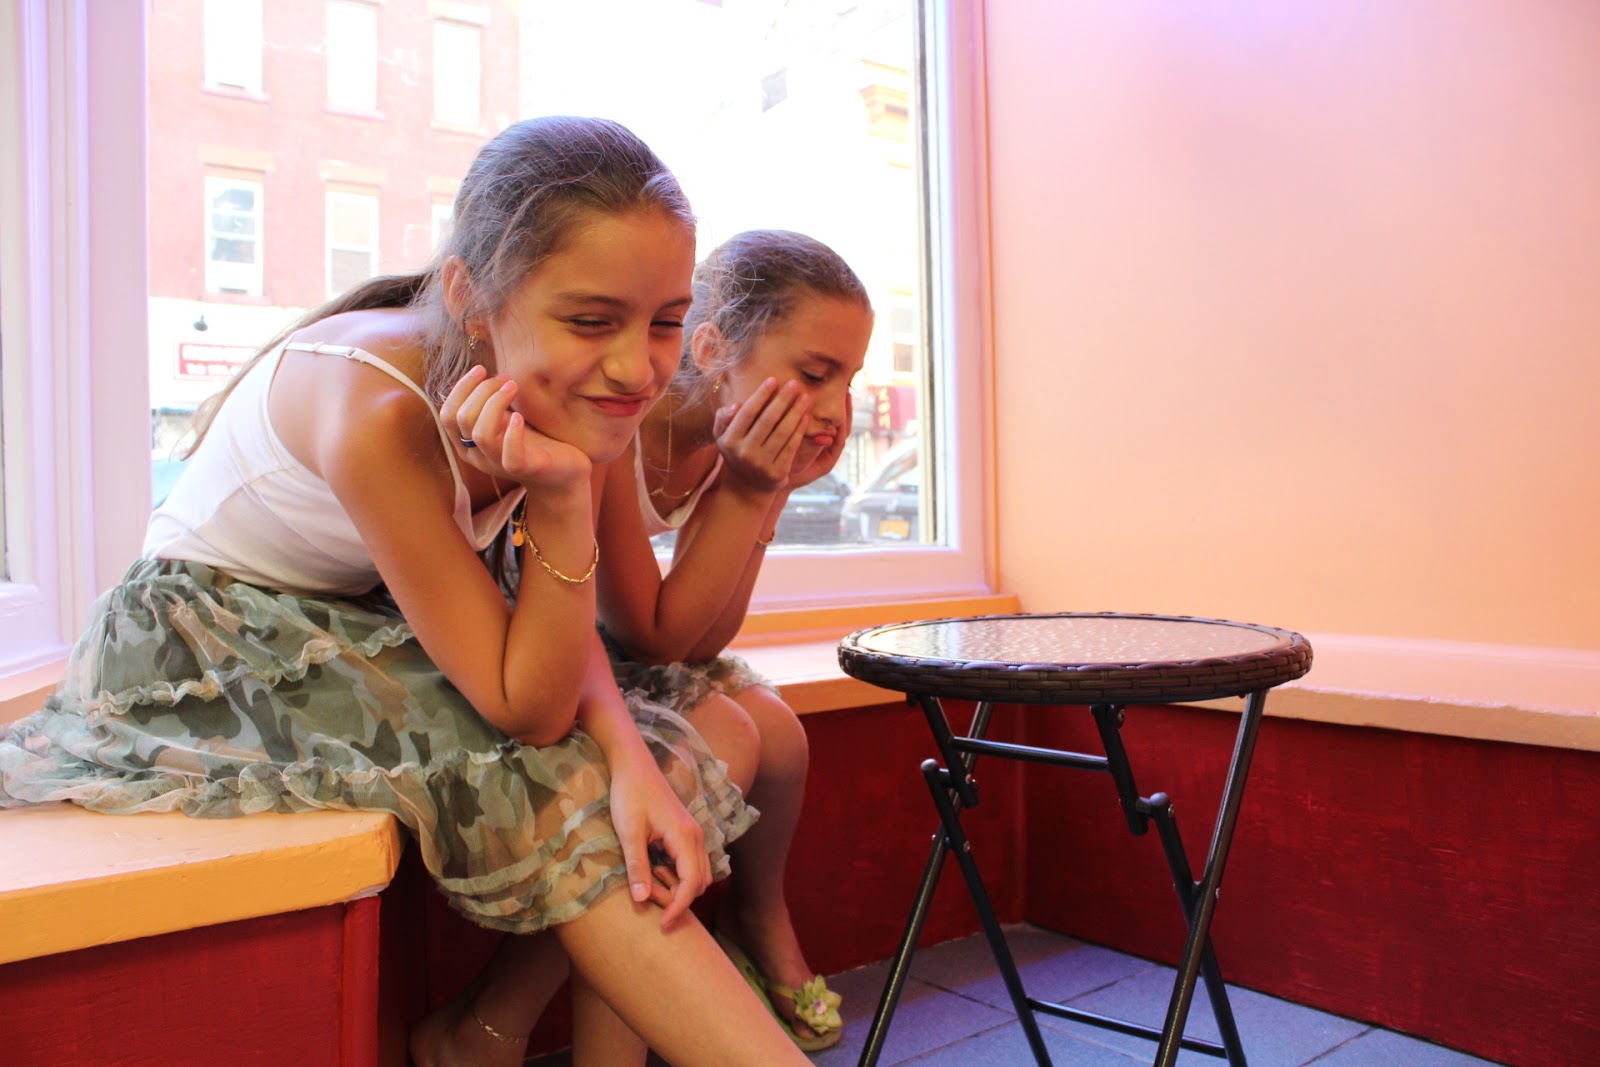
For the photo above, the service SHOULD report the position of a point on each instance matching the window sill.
(91, 879)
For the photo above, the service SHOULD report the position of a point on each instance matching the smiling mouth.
(621, 406)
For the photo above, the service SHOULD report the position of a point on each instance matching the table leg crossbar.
(953, 792)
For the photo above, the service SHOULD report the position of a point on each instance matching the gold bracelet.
(569, 579)
(520, 536)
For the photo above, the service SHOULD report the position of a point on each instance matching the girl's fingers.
(458, 394)
(513, 446)
(779, 416)
(665, 883)
(686, 844)
(762, 411)
(490, 423)
(467, 414)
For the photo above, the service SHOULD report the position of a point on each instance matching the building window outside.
(352, 48)
(457, 74)
(233, 236)
(352, 240)
(232, 30)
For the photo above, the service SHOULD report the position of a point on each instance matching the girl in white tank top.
(373, 588)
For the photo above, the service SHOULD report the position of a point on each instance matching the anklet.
(491, 1031)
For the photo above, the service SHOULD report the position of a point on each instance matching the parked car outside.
(811, 514)
(886, 508)
(809, 517)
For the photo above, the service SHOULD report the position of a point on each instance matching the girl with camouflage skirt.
(371, 589)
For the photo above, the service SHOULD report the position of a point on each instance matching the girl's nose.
(628, 366)
(829, 411)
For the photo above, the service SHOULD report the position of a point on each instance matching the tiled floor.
(954, 1013)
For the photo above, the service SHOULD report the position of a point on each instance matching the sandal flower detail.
(815, 1004)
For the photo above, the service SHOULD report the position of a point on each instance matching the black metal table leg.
(1140, 812)
(1205, 899)
(951, 818)
(900, 965)
(1178, 862)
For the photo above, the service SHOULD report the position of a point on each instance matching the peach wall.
(1297, 312)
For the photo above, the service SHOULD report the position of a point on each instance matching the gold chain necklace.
(663, 492)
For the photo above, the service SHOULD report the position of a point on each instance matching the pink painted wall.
(1297, 312)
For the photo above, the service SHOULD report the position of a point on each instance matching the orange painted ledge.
(75, 879)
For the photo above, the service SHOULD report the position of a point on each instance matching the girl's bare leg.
(599, 1036)
(674, 988)
(755, 913)
(509, 994)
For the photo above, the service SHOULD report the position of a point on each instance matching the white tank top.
(246, 506)
(654, 521)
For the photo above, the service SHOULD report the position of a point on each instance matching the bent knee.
(784, 746)
(733, 735)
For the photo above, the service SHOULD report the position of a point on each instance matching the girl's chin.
(604, 448)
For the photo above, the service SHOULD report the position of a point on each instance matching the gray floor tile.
(1385, 1048)
(1275, 1033)
(1007, 1046)
(1053, 966)
(926, 1018)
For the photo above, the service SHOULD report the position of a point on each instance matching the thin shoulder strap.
(361, 355)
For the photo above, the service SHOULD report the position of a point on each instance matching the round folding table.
(1106, 661)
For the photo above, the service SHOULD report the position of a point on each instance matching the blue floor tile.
(926, 1018)
(1385, 1048)
(1274, 1033)
(1005, 1045)
(1054, 967)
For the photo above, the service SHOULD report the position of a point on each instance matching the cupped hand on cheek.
(493, 437)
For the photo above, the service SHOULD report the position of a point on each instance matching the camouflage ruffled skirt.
(195, 692)
(680, 686)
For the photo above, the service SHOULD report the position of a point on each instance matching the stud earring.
(472, 343)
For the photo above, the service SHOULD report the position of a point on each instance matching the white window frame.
(957, 434)
(444, 79)
(233, 54)
(73, 289)
(352, 52)
(225, 276)
(366, 200)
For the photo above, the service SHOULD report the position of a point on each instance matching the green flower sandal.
(814, 1004)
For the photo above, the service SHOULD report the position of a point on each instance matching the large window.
(869, 140)
(72, 292)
